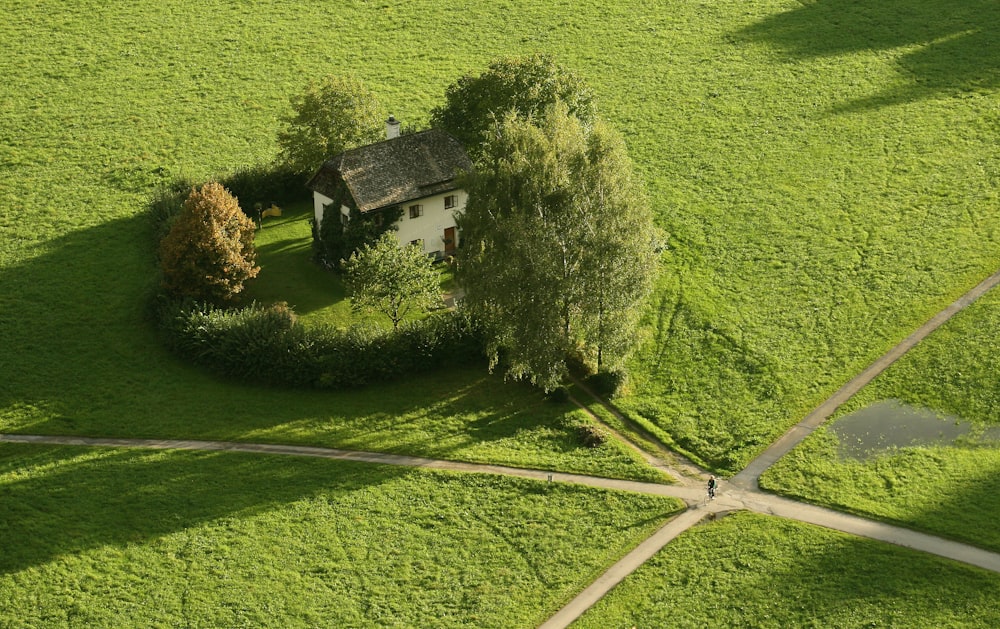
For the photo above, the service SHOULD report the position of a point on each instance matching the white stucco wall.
(319, 201)
(431, 225)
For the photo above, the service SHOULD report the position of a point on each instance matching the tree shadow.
(66, 500)
(839, 576)
(949, 48)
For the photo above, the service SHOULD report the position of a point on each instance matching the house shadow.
(70, 500)
(948, 48)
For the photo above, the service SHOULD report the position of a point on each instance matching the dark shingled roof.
(395, 171)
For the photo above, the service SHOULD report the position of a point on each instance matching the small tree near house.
(391, 280)
(208, 253)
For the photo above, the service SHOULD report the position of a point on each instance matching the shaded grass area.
(287, 272)
(952, 491)
(759, 571)
(111, 538)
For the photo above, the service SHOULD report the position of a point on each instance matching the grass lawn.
(112, 538)
(750, 570)
(318, 296)
(952, 491)
(818, 166)
(287, 272)
(827, 172)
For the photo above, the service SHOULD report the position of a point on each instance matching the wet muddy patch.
(891, 424)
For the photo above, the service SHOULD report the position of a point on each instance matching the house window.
(416, 210)
(449, 202)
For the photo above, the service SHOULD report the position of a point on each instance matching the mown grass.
(113, 538)
(288, 273)
(750, 570)
(948, 490)
(817, 175)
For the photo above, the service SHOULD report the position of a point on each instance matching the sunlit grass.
(101, 538)
(949, 490)
(751, 570)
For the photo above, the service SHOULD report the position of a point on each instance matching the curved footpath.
(742, 493)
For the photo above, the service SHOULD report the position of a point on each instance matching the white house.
(414, 172)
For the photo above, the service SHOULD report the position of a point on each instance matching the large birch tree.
(558, 249)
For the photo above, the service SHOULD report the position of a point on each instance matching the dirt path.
(749, 476)
(729, 499)
(741, 494)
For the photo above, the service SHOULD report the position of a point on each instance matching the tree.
(558, 244)
(331, 116)
(208, 253)
(525, 85)
(391, 280)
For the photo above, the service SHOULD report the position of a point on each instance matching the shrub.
(591, 436)
(208, 252)
(607, 383)
(267, 345)
(265, 184)
(558, 395)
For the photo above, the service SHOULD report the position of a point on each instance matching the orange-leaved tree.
(209, 252)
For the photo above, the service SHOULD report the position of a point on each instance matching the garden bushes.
(266, 345)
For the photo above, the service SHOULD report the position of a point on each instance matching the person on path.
(712, 485)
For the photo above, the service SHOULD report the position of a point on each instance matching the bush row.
(266, 345)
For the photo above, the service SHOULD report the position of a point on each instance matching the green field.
(817, 175)
(827, 172)
(949, 490)
(750, 570)
(109, 538)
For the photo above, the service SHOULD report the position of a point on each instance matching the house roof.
(395, 171)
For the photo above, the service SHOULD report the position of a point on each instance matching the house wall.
(431, 225)
(320, 200)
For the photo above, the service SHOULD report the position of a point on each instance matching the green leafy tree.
(391, 280)
(527, 86)
(208, 253)
(558, 244)
(331, 116)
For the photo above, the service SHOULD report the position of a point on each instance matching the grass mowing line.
(111, 538)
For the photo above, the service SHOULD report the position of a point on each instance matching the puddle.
(891, 424)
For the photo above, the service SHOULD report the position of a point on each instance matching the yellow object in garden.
(274, 210)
